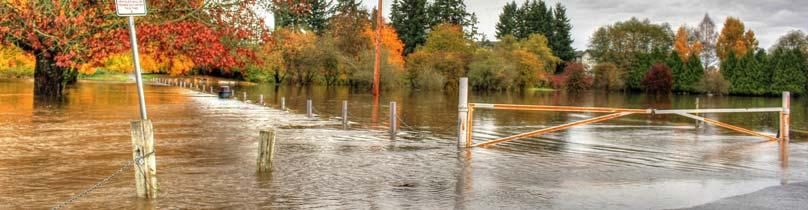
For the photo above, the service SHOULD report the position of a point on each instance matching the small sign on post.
(142, 132)
(131, 7)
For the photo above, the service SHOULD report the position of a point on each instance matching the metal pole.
(138, 71)
(393, 118)
(785, 124)
(698, 123)
(462, 112)
(283, 103)
(309, 109)
(345, 113)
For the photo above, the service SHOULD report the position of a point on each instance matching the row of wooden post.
(309, 106)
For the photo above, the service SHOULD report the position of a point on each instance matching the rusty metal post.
(462, 112)
(785, 126)
(393, 118)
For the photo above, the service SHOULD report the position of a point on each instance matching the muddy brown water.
(207, 150)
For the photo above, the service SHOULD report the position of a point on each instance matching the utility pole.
(378, 63)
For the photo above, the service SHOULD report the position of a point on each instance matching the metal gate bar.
(552, 129)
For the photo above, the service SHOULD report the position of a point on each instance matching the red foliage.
(576, 78)
(71, 32)
(558, 81)
(658, 79)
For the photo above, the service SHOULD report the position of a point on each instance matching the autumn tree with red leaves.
(658, 79)
(65, 34)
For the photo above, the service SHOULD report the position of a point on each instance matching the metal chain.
(129, 164)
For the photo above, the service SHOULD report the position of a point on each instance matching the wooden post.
(266, 151)
(393, 118)
(309, 109)
(283, 103)
(211, 89)
(785, 125)
(261, 99)
(145, 159)
(245, 95)
(344, 113)
(462, 112)
(204, 87)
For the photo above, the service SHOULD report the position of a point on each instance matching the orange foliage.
(181, 65)
(15, 61)
(390, 42)
(684, 47)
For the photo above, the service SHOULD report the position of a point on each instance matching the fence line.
(124, 167)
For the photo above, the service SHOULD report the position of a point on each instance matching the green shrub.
(361, 72)
(608, 77)
(490, 71)
(714, 83)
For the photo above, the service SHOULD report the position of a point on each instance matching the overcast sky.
(769, 19)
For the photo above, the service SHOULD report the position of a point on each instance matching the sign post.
(132, 8)
(143, 153)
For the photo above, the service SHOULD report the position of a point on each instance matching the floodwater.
(207, 150)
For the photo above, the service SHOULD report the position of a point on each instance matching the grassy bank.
(102, 75)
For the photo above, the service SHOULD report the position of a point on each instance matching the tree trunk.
(49, 79)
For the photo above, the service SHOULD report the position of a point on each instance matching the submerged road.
(791, 196)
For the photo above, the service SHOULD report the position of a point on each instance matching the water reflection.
(208, 149)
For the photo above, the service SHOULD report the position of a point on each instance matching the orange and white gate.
(466, 116)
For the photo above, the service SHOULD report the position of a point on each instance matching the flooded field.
(207, 148)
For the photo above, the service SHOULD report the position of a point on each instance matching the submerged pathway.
(783, 197)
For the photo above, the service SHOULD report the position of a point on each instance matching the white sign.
(131, 7)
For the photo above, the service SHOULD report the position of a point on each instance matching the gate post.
(462, 112)
(785, 121)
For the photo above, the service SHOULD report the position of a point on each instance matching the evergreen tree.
(561, 40)
(453, 12)
(448, 11)
(288, 15)
(536, 21)
(321, 11)
(748, 75)
(520, 30)
(348, 6)
(508, 20)
(677, 69)
(644, 61)
(788, 68)
(409, 18)
(686, 72)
